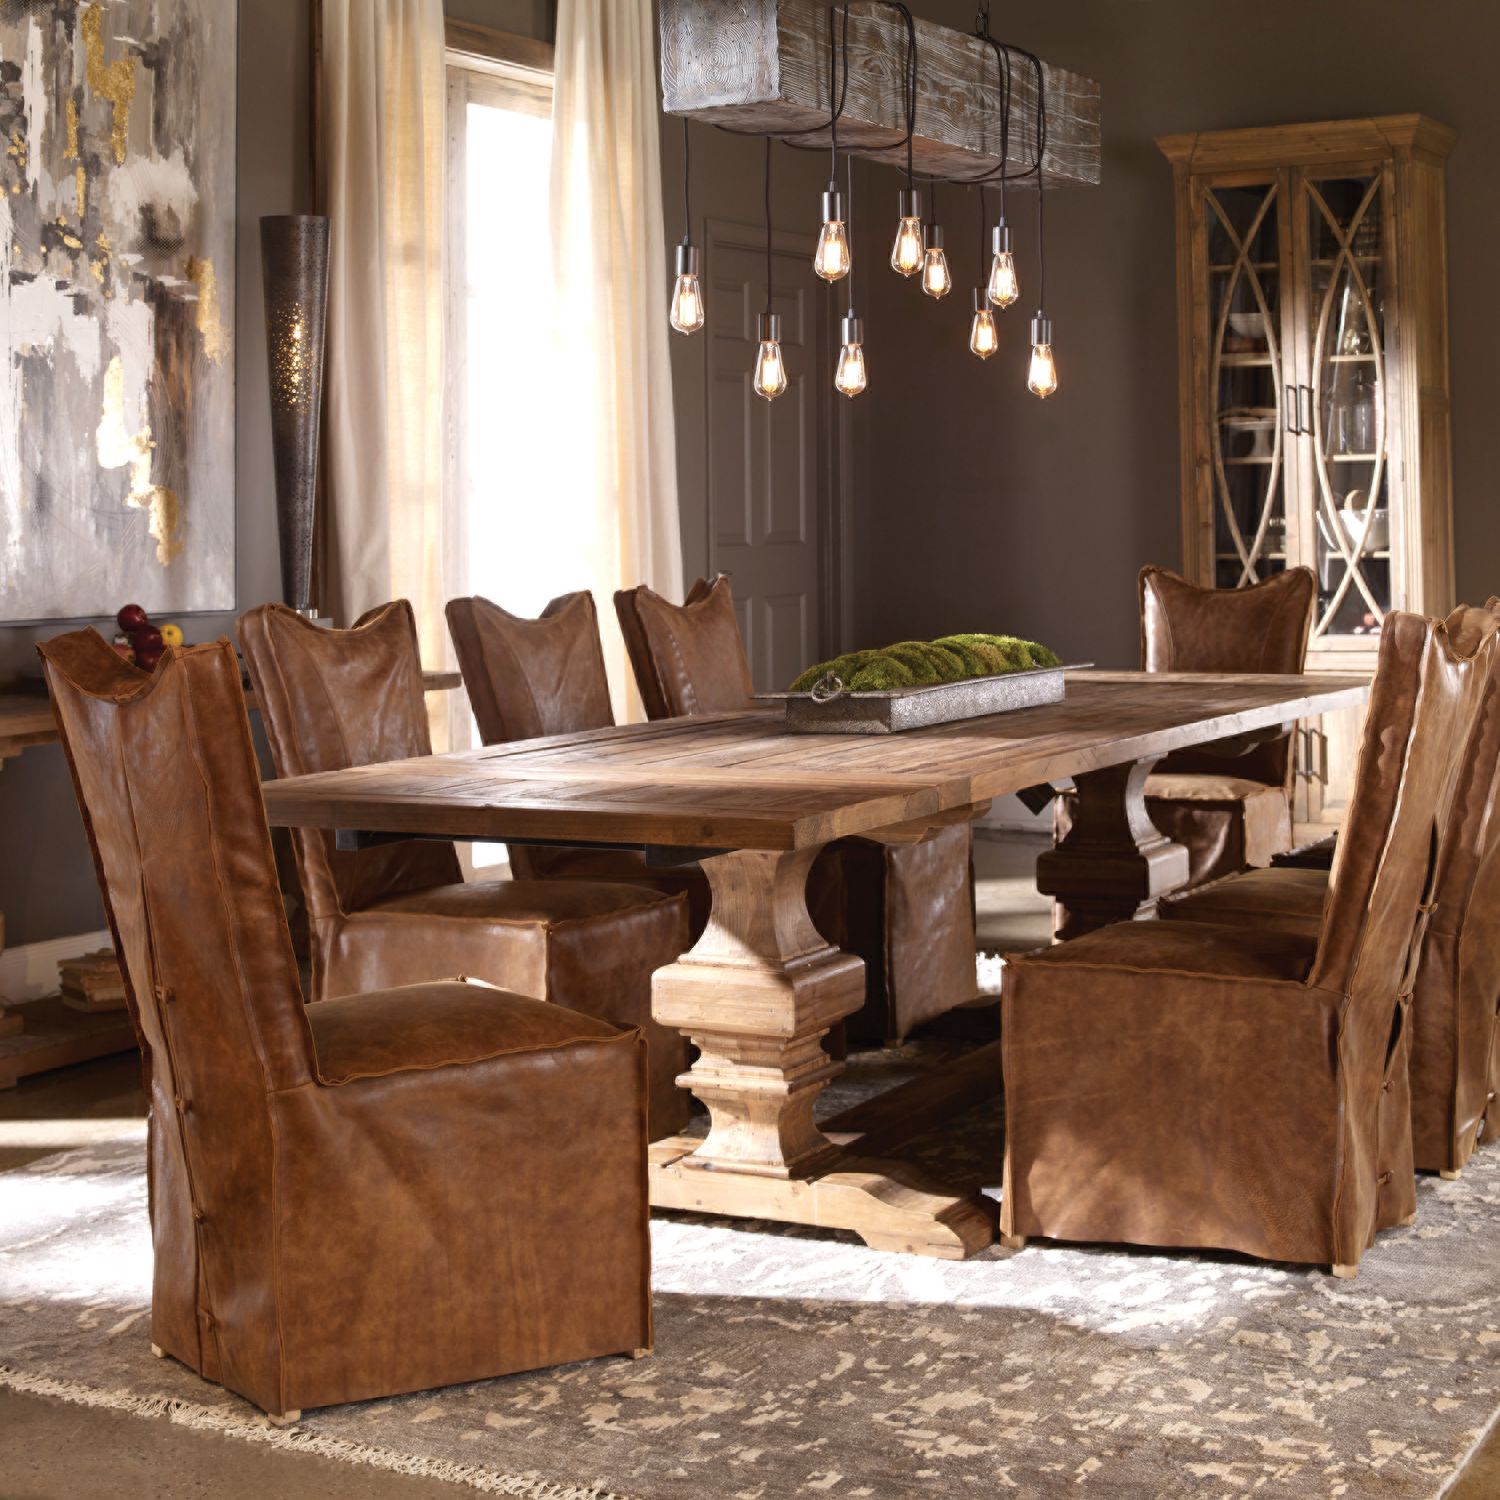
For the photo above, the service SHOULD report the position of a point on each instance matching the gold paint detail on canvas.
(112, 81)
(80, 188)
(71, 154)
(119, 448)
(215, 341)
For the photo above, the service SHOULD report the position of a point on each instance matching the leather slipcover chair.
(1227, 811)
(1244, 1087)
(1455, 1035)
(528, 679)
(906, 910)
(400, 913)
(379, 1194)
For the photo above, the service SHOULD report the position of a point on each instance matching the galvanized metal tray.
(830, 709)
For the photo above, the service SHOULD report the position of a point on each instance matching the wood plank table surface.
(756, 802)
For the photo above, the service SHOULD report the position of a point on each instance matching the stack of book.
(92, 982)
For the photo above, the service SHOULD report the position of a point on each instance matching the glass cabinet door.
(1247, 377)
(1348, 522)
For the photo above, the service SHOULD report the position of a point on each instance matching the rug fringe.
(255, 1429)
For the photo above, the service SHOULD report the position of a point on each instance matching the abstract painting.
(117, 198)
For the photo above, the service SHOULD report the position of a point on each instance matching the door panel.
(767, 471)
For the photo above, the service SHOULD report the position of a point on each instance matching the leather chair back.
(1261, 628)
(1422, 704)
(169, 790)
(688, 658)
(529, 678)
(331, 699)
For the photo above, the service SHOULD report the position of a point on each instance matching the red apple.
(132, 618)
(147, 638)
(147, 657)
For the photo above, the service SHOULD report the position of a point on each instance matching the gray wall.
(989, 509)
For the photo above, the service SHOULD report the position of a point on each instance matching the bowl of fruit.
(142, 642)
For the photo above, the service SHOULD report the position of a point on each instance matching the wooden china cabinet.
(1312, 314)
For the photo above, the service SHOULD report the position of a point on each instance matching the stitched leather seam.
(633, 1034)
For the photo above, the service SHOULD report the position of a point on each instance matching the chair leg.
(1013, 1241)
(1344, 1273)
(1452, 1176)
(1407, 1222)
(158, 1351)
(283, 1418)
(638, 1354)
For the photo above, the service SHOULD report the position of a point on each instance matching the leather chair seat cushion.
(1289, 898)
(1203, 786)
(442, 1025)
(587, 947)
(1259, 953)
(1226, 823)
(622, 866)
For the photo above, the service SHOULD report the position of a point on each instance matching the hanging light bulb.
(686, 312)
(1041, 380)
(906, 253)
(770, 370)
(983, 339)
(849, 378)
(936, 281)
(831, 260)
(1005, 285)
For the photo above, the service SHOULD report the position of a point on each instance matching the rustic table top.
(743, 781)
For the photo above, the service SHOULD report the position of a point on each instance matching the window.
(515, 543)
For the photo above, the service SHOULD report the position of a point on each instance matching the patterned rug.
(799, 1363)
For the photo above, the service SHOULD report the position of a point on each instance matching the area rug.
(798, 1363)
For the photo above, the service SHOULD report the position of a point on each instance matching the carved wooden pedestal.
(1114, 862)
(756, 995)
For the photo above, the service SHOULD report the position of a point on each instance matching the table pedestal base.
(1114, 862)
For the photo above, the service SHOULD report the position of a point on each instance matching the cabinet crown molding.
(1324, 141)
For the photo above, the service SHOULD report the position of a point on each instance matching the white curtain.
(610, 261)
(382, 101)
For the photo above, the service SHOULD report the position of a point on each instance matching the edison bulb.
(1041, 379)
(1005, 286)
(983, 338)
(906, 252)
(685, 313)
(770, 369)
(831, 260)
(936, 281)
(849, 378)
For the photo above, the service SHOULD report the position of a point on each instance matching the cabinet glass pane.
(1246, 381)
(1351, 477)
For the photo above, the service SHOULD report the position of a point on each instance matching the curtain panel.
(609, 256)
(382, 98)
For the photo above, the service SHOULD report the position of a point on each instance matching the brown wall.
(989, 509)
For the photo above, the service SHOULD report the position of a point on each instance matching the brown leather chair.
(401, 913)
(1244, 1087)
(1455, 1036)
(378, 1194)
(1229, 811)
(527, 679)
(906, 910)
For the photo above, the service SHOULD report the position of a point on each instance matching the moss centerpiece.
(949, 658)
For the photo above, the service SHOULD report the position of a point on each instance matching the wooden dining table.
(758, 993)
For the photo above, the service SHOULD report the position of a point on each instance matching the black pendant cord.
(849, 228)
(687, 216)
(1041, 184)
(768, 224)
(836, 96)
(983, 221)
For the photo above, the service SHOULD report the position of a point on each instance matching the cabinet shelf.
(1351, 458)
(1260, 267)
(1266, 458)
(1245, 359)
(1349, 359)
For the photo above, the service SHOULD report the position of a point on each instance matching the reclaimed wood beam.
(761, 67)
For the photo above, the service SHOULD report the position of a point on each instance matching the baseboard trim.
(30, 971)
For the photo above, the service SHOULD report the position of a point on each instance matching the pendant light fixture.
(849, 379)
(907, 250)
(685, 313)
(1041, 378)
(769, 379)
(831, 259)
(936, 280)
(983, 338)
(1004, 285)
